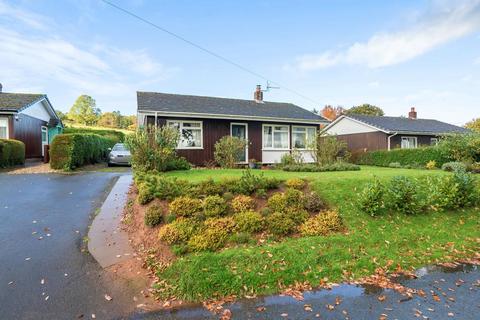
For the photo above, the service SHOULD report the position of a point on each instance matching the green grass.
(410, 241)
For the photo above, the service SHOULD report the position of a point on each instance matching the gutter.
(389, 141)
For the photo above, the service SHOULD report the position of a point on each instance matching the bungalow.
(271, 128)
(370, 133)
(29, 118)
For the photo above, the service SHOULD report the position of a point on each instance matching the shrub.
(394, 165)
(179, 231)
(12, 152)
(432, 164)
(468, 192)
(228, 196)
(265, 212)
(154, 149)
(293, 158)
(280, 225)
(153, 216)
(322, 224)
(180, 249)
(372, 198)
(249, 221)
(290, 199)
(328, 149)
(277, 202)
(313, 202)
(213, 236)
(242, 203)
(163, 187)
(70, 151)
(214, 206)
(416, 157)
(454, 166)
(145, 193)
(298, 216)
(295, 183)
(248, 183)
(337, 166)
(241, 238)
(208, 188)
(116, 136)
(461, 147)
(185, 206)
(403, 195)
(228, 151)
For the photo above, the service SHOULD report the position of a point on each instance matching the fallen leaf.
(107, 297)
(261, 309)
(382, 298)
(284, 315)
(450, 314)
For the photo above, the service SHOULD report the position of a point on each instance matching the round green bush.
(280, 225)
(185, 206)
(298, 216)
(322, 224)
(213, 236)
(214, 206)
(145, 194)
(153, 216)
(242, 203)
(277, 202)
(179, 231)
(295, 183)
(249, 221)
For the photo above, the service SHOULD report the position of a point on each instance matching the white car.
(119, 155)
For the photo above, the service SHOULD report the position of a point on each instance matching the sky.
(393, 54)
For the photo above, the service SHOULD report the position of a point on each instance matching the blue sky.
(394, 54)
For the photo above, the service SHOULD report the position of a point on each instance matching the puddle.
(445, 269)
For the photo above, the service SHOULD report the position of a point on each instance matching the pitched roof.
(18, 101)
(205, 106)
(403, 124)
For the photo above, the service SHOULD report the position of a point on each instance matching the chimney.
(258, 94)
(412, 114)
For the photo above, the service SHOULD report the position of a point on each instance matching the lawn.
(408, 241)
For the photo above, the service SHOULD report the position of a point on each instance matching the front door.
(44, 139)
(240, 130)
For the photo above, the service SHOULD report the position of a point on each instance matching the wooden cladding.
(28, 130)
(214, 130)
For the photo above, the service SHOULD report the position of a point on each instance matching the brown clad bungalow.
(29, 118)
(271, 128)
(370, 133)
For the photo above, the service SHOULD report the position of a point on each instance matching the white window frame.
(6, 126)
(433, 141)
(180, 127)
(306, 135)
(273, 136)
(408, 139)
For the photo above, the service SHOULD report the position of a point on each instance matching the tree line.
(85, 112)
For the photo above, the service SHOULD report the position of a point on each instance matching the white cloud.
(15, 14)
(443, 24)
(477, 61)
(44, 61)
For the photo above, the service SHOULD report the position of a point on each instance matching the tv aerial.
(269, 86)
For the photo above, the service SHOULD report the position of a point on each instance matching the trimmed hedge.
(12, 152)
(70, 151)
(114, 135)
(405, 157)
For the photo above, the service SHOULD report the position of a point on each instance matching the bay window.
(276, 137)
(303, 137)
(191, 133)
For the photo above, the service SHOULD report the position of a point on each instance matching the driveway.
(46, 273)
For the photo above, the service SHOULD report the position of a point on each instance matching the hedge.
(115, 135)
(70, 151)
(12, 152)
(406, 157)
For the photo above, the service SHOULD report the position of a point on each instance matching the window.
(3, 128)
(276, 137)
(191, 135)
(303, 137)
(433, 141)
(409, 142)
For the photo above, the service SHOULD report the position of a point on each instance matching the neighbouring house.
(370, 133)
(29, 118)
(272, 129)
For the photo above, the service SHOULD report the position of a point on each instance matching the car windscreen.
(119, 147)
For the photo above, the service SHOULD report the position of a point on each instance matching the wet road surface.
(457, 292)
(44, 273)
